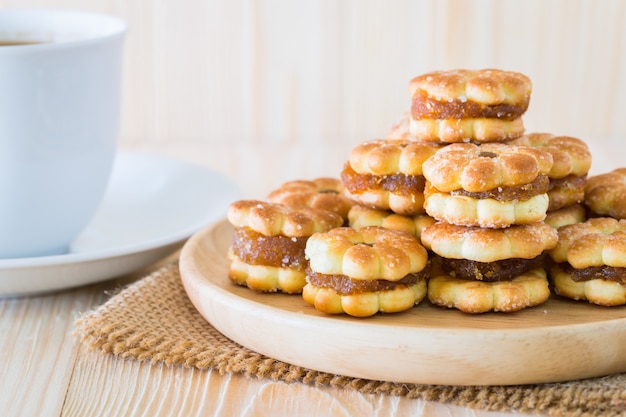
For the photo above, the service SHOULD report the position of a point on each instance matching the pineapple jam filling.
(396, 183)
(609, 273)
(280, 251)
(345, 285)
(540, 185)
(502, 270)
(426, 107)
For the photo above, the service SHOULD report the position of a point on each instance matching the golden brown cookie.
(590, 261)
(566, 192)
(595, 242)
(361, 216)
(466, 130)
(526, 290)
(483, 244)
(568, 176)
(387, 175)
(567, 215)
(484, 212)
(605, 194)
(369, 253)
(271, 219)
(596, 291)
(361, 272)
(323, 193)
(267, 248)
(468, 105)
(489, 185)
(571, 156)
(483, 168)
(398, 298)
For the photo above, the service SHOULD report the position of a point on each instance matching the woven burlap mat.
(153, 320)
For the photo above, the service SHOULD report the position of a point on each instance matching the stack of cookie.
(488, 194)
(455, 205)
(298, 242)
(589, 261)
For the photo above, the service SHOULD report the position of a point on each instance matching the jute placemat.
(153, 320)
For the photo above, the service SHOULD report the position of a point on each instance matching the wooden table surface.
(45, 371)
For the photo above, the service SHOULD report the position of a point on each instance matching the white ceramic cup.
(59, 122)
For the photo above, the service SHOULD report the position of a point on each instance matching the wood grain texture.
(280, 72)
(37, 351)
(160, 390)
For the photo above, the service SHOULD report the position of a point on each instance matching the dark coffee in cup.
(18, 43)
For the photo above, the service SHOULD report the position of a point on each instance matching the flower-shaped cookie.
(489, 185)
(605, 194)
(387, 175)
(361, 272)
(572, 214)
(526, 290)
(271, 219)
(590, 261)
(267, 249)
(482, 168)
(369, 253)
(323, 193)
(568, 176)
(464, 105)
(361, 216)
(489, 245)
(571, 156)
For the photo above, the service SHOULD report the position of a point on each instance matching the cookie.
(476, 270)
(605, 194)
(526, 290)
(396, 299)
(596, 291)
(590, 261)
(483, 168)
(468, 105)
(490, 185)
(323, 193)
(571, 162)
(366, 271)
(387, 175)
(267, 249)
(596, 242)
(484, 212)
(486, 245)
(573, 214)
(361, 216)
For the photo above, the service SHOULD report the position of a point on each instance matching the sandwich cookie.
(590, 261)
(387, 175)
(325, 193)
(267, 249)
(491, 185)
(568, 175)
(366, 271)
(482, 269)
(468, 105)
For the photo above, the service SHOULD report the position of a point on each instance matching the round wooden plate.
(557, 341)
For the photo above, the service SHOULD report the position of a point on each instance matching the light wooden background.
(208, 79)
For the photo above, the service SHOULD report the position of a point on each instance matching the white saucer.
(152, 205)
